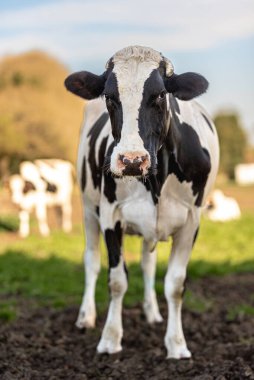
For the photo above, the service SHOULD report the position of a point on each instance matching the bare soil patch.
(44, 343)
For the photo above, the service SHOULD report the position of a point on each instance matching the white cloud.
(71, 29)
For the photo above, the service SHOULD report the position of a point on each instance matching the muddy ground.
(44, 343)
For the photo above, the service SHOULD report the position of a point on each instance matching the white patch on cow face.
(131, 76)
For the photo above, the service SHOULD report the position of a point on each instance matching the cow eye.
(162, 95)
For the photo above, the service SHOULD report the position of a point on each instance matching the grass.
(49, 271)
(9, 223)
(239, 311)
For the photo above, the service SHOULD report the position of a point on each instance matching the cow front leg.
(24, 227)
(92, 264)
(41, 214)
(148, 265)
(174, 288)
(113, 330)
(66, 215)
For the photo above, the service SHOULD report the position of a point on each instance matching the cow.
(148, 157)
(41, 184)
(221, 208)
(244, 174)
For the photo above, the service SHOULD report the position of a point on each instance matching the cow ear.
(86, 85)
(186, 86)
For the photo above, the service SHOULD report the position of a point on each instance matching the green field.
(49, 271)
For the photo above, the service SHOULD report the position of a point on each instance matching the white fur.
(224, 208)
(150, 305)
(87, 312)
(113, 330)
(244, 174)
(176, 213)
(132, 71)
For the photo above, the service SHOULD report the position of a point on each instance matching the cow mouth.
(134, 171)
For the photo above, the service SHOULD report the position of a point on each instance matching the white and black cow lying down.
(147, 160)
(42, 184)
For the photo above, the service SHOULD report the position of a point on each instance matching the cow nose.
(137, 161)
(134, 164)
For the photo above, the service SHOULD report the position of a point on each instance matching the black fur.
(114, 106)
(153, 116)
(186, 86)
(191, 162)
(94, 133)
(29, 186)
(51, 188)
(109, 182)
(113, 240)
(86, 85)
(83, 175)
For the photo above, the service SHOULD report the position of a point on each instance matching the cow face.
(135, 87)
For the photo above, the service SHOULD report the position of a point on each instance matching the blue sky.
(213, 37)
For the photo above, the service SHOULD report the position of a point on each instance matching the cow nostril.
(121, 157)
(143, 158)
(126, 161)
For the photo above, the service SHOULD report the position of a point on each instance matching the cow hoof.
(154, 318)
(179, 353)
(84, 321)
(111, 340)
(108, 347)
(152, 313)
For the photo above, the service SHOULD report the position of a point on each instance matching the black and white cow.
(146, 163)
(41, 184)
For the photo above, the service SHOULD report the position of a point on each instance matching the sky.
(212, 37)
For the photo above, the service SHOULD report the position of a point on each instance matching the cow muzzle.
(133, 163)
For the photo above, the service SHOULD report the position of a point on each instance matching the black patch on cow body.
(109, 187)
(109, 182)
(51, 187)
(96, 170)
(97, 210)
(174, 168)
(208, 122)
(174, 104)
(189, 161)
(151, 184)
(83, 175)
(113, 238)
(114, 106)
(28, 186)
(152, 117)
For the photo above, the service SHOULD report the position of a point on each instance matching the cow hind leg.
(148, 264)
(174, 288)
(24, 227)
(87, 312)
(113, 330)
(41, 214)
(66, 215)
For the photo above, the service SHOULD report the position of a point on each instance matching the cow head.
(135, 86)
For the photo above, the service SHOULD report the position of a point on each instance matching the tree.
(39, 118)
(233, 142)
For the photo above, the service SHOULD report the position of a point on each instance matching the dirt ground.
(45, 344)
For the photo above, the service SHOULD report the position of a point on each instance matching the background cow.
(42, 184)
(146, 162)
(222, 208)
